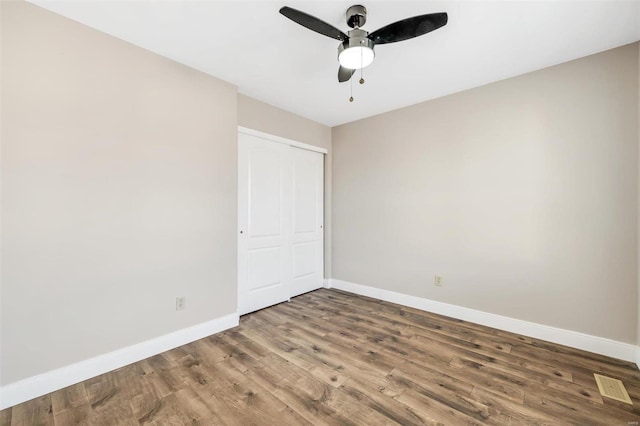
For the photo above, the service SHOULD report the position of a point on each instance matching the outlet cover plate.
(180, 303)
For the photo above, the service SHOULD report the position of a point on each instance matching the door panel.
(264, 272)
(305, 193)
(307, 238)
(265, 192)
(304, 258)
(264, 267)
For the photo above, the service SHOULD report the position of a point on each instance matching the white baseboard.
(41, 384)
(599, 345)
(326, 283)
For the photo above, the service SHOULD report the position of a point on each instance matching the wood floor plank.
(525, 378)
(373, 372)
(80, 415)
(574, 362)
(168, 374)
(437, 412)
(527, 345)
(297, 355)
(437, 377)
(381, 403)
(189, 403)
(153, 383)
(510, 412)
(109, 402)
(329, 357)
(298, 389)
(38, 411)
(213, 394)
(478, 344)
(248, 346)
(71, 397)
(251, 396)
(480, 352)
(572, 410)
(5, 417)
(350, 406)
(456, 398)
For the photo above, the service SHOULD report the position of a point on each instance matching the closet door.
(264, 217)
(307, 221)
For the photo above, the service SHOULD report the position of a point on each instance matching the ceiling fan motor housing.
(356, 16)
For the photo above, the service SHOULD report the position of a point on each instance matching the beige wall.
(118, 193)
(275, 121)
(261, 116)
(522, 194)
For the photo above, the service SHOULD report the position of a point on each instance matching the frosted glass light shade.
(356, 57)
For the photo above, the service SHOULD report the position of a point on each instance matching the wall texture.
(118, 193)
(266, 118)
(522, 194)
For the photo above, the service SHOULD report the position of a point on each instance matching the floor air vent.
(612, 388)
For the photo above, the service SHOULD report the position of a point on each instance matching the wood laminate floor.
(334, 358)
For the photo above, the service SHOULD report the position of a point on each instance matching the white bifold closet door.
(280, 220)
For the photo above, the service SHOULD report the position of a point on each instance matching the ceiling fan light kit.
(356, 50)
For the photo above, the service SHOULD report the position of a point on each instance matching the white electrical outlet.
(180, 303)
(437, 280)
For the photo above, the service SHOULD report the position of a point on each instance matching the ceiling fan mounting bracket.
(356, 16)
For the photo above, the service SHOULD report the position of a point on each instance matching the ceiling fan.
(356, 49)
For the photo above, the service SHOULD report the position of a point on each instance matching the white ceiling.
(269, 57)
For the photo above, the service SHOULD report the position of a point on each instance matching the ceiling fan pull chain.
(361, 69)
(351, 88)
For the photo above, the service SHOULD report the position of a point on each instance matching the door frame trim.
(274, 138)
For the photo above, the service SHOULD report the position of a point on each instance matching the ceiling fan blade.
(313, 23)
(344, 74)
(409, 28)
